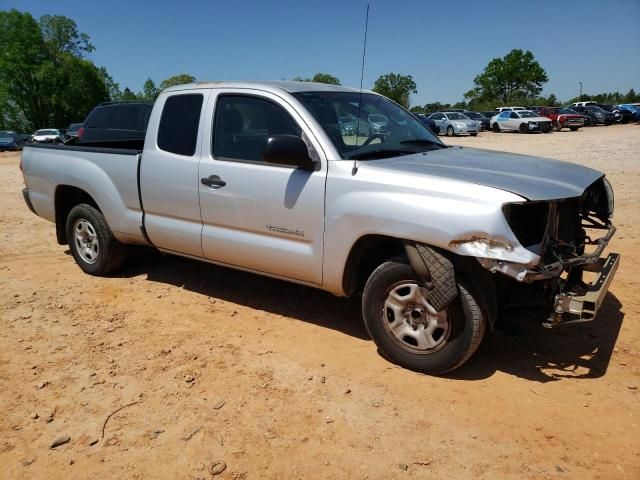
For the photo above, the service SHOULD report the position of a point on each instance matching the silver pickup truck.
(264, 177)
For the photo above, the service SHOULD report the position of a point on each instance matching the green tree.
(631, 96)
(396, 87)
(417, 109)
(44, 80)
(320, 78)
(149, 90)
(325, 78)
(516, 77)
(113, 88)
(176, 80)
(61, 35)
(128, 95)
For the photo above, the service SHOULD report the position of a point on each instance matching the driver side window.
(513, 115)
(243, 123)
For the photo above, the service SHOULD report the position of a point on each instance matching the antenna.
(354, 170)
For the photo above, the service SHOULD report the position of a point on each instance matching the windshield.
(473, 115)
(383, 128)
(456, 116)
(593, 108)
(526, 114)
(46, 132)
(4, 137)
(567, 111)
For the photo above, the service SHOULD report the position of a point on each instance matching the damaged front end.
(568, 237)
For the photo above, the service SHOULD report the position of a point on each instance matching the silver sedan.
(455, 123)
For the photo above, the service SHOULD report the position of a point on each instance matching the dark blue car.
(10, 140)
(430, 124)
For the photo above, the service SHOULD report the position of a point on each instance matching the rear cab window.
(178, 129)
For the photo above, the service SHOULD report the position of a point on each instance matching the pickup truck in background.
(261, 177)
(562, 118)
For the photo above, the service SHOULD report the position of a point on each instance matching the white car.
(582, 104)
(523, 121)
(49, 135)
(502, 109)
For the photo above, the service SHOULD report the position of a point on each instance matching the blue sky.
(443, 45)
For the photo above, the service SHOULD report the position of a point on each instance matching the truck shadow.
(253, 291)
(521, 347)
(528, 351)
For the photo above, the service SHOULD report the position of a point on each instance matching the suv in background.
(111, 124)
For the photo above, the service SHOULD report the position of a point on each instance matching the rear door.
(169, 172)
(258, 216)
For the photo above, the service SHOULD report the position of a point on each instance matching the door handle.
(213, 181)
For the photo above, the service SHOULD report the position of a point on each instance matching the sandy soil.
(281, 381)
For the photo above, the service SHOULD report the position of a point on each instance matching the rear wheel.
(92, 244)
(473, 134)
(449, 131)
(409, 331)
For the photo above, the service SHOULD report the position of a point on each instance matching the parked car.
(454, 123)
(72, 131)
(378, 123)
(489, 115)
(429, 123)
(562, 118)
(582, 104)
(600, 116)
(620, 114)
(589, 119)
(436, 238)
(480, 118)
(10, 140)
(523, 121)
(48, 135)
(116, 123)
(633, 108)
(348, 126)
(502, 109)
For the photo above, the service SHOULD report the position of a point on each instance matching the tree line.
(46, 80)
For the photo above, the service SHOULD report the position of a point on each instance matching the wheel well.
(369, 252)
(66, 198)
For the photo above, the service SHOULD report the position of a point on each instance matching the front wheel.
(92, 244)
(574, 129)
(449, 131)
(523, 128)
(409, 331)
(496, 127)
(473, 134)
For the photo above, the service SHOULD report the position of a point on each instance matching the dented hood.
(533, 178)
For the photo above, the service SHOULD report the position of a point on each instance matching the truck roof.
(290, 86)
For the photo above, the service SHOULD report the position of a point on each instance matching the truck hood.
(533, 178)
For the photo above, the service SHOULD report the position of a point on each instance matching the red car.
(562, 118)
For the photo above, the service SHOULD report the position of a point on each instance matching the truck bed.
(109, 175)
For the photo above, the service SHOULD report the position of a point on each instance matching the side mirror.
(288, 150)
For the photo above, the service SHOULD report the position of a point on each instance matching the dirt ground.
(281, 381)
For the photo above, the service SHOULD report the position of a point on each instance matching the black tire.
(574, 129)
(557, 126)
(473, 134)
(109, 252)
(523, 128)
(496, 127)
(466, 322)
(450, 132)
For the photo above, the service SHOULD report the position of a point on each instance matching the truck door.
(169, 172)
(257, 216)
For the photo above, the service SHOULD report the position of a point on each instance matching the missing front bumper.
(570, 308)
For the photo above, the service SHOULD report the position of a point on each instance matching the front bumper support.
(570, 308)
